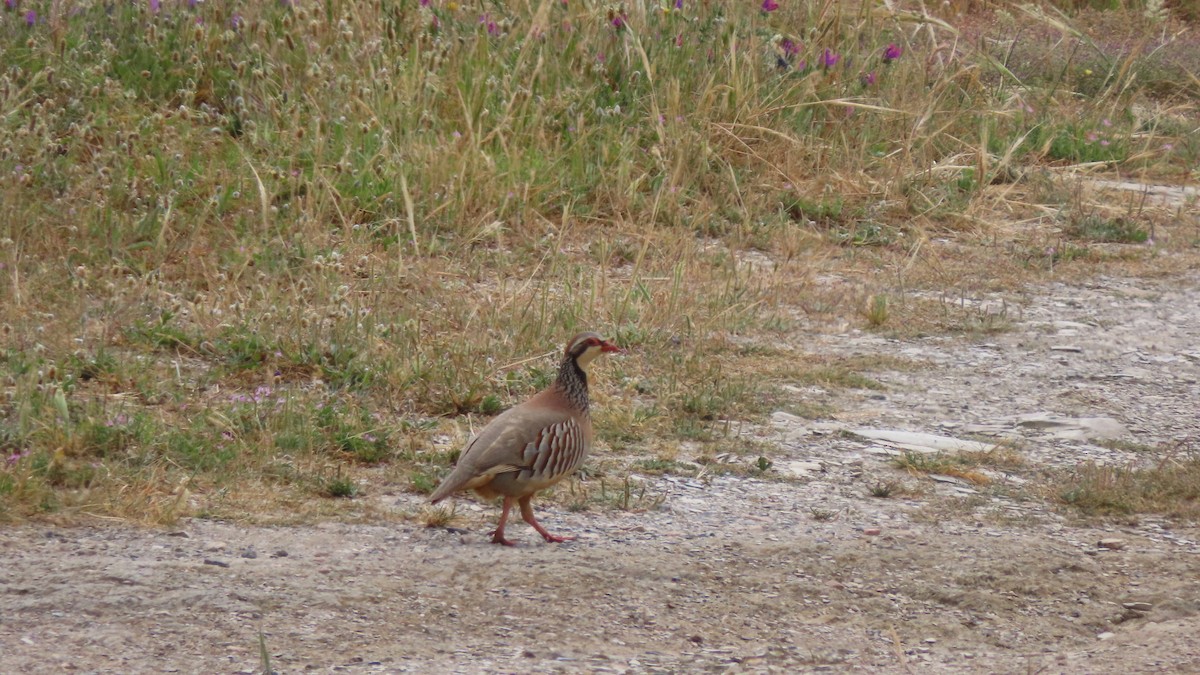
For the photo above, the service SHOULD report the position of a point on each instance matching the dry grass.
(255, 265)
(964, 465)
(1168, 484)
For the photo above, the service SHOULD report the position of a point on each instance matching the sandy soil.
(788, 574)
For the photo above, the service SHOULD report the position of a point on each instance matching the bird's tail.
(450, 484)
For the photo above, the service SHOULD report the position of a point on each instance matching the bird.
(534, 445)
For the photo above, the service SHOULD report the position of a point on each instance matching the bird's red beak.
(610, 347)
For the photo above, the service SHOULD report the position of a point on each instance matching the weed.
(422, 482)
(662, 466)
(884, 489)
(438, 516)
(1170, 486)
(628, 495)
(823, 515)
(964, 465)
(1120, 230)
(339, 487)
(264, 656)
(876, 312)
(1126, 446)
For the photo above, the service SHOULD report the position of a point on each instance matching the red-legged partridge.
(534, 445)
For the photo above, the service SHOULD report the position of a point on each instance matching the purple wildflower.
(10, 5)
(30, 18)
(678, 4)
(892, 52)
(155, 5)
(789, 47)
(235, 21)
(869, 79)
(16, 456)
(424, 3)
(830, 59)
(618, 21)
(770, 5)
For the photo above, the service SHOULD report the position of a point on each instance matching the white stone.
(921, 442)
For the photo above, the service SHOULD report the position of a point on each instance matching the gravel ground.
(800, 571)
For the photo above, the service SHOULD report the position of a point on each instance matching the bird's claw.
(498, 538)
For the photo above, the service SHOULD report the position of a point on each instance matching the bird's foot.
(498, 538)
(555, 539)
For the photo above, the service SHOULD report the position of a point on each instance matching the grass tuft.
(1170, 486)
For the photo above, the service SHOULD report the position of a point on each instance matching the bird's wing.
(521, 438)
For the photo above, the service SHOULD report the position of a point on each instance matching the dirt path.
(807, 574)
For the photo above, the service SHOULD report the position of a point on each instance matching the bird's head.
(585, 347)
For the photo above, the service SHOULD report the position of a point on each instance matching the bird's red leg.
(527, 515)
(498, 533)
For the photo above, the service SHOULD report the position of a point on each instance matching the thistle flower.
(155, 5)
(892, 52)
(30, 18)
(790, 48)
(770, 5)
(869, 79)
(829, 59)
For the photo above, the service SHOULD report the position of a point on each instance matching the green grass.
(246, 249)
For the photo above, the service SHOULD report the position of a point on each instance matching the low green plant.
(1119, 230)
